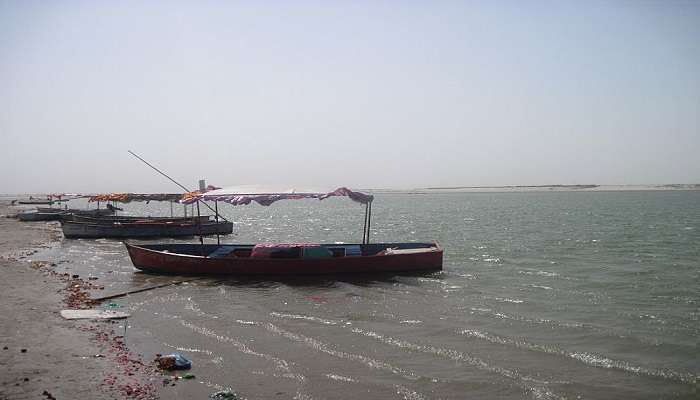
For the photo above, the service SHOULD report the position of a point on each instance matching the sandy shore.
(44, 356)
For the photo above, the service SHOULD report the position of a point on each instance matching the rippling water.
(543, 295)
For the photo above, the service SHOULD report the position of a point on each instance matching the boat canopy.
(129, 197)
(245, 194)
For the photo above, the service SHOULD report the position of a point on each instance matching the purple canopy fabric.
(266, 199)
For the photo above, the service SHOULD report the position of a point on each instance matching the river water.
(543, 295)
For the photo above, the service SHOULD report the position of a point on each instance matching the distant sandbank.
(544, 188)
(494, 189)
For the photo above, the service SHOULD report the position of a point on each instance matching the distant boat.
(35, 201)
(39, 216)
(55, 214)
(143, 229)
(68, 212)
(285, 259)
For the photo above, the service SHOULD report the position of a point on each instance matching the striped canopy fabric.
(243, 195)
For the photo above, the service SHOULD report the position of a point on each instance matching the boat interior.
(292, 250)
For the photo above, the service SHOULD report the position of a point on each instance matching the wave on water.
(507, 300)
(244, 348)
(589, 359)
(307, 318)
(341, 378)
(407, 393)
(540, 287)
(487, 312)
(328, 349)
(537, 387)
(539, 273)
(189, 349)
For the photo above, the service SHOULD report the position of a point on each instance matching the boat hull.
(68, 213)
(29, 202)
(39, 216)
(75, 230)
(157, 259)
(132, 219)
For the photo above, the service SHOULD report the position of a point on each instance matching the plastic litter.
(173, 361)
(93, 314)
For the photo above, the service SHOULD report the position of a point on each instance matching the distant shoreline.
(544, 188)
(493, 189)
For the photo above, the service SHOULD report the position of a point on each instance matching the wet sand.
(43, 356)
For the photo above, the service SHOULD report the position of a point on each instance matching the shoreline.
(668, 187)
(44, 355)
(542, 189)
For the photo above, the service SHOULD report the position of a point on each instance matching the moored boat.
(138, 229)
(34, 201)
(39, 216)
(124, 218)
(67, 212)
(285, 259)
(281, 259)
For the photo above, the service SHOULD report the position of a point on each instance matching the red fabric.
(266, 249)
(268, 199)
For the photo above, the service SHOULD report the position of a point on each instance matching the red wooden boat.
(284, 259)
(289, 260)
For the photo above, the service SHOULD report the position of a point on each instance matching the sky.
(364, 94)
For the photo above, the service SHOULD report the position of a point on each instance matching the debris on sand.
(172, 362)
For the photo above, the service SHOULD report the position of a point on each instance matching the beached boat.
(128, 218)
(140, 229)
(81, 225)
(295, 259)
(35, 201)
(55, 214)
(39, 216)
(285, 259)
(67, 212)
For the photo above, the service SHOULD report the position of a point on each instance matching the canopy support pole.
(216, 211)
(171, 209)
(369, 220)
(199, 229)
(364, 228)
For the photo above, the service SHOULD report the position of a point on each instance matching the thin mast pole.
(199, 228)
(171, 179)
(216, 207)
(159, 171)
(364, 228)
(369, 220)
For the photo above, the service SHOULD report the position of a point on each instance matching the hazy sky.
(395, 94)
